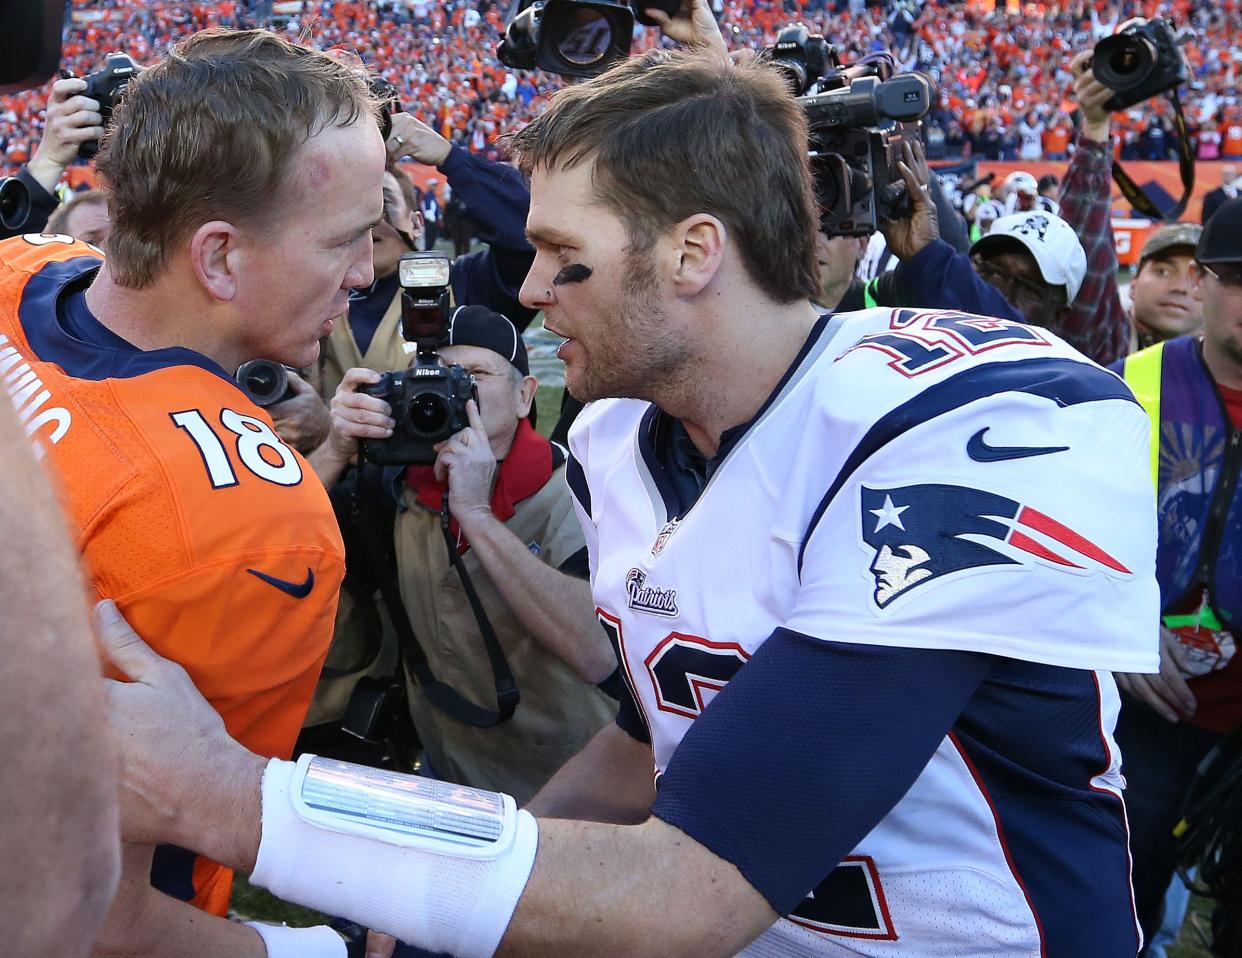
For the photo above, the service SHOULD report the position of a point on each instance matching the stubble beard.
(639, 356)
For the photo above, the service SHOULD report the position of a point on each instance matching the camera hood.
(578, 38)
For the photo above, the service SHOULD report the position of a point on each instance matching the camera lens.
(263, 381)
(582, 36)
(427, 414)
(1122, 61)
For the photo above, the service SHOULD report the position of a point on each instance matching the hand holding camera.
(1092, 95)
(357, 415)
(911, 234)
(466, 462)
(73, 118)
(694, 26)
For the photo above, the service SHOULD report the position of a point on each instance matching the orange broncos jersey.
(216, 539)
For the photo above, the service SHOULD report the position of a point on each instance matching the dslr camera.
(1141, 60)
(428, 400)
(107, 85)
(858, 116)
(577, 38)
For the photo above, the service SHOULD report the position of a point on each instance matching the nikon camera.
(107, 85)
(428, 399)
(1141, 60)
(858, 116)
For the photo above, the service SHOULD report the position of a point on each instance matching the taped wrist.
(281, 941)
(436, 865)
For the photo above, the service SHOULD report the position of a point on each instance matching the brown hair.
(208, 133)
(675, 133)
(60, 215)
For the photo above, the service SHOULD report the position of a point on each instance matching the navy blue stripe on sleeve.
(806, 749)
(576, 478)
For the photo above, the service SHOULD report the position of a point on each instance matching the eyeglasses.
(1026, 295)
(1227, 274)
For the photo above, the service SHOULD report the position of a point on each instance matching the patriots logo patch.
(926, 532)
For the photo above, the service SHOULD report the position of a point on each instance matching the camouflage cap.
(1169, 237)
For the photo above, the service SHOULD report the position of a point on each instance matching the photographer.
(1025, 269)
(29, 198)
(514, 525)
(1096, 322)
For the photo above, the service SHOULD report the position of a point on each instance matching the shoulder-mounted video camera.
(858, 116)
(428, 400)
(1141, 60)
(577, 38)
(107, 85)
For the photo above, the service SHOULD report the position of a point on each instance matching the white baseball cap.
(1054, 244)
(1022, 182)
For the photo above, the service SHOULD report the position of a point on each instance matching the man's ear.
(699, 243)
(216, 257)
(1196, 280)
(526, 395)
(416, 223)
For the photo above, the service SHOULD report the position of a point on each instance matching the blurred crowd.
(1001, 76)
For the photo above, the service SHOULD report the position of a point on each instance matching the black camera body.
(801, 56)
(429, 399)
(264, 381)
(577, 38)
(856, 132)
(107, 85)
(1141, 60)
(428, 404)
(389, 101)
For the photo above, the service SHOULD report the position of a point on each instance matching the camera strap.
(1186, 166)
(376, 537)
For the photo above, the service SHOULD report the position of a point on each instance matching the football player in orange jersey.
(244, 175)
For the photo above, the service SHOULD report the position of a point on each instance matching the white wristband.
(281, 941)
(435, 865)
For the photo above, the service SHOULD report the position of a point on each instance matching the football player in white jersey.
(867, 576)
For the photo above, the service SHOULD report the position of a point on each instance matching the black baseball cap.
(1221, 241)
(480, 326)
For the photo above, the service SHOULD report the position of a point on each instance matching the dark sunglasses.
(1227, 274)
(1024, 294)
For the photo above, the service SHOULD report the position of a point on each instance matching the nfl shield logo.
(664, 535)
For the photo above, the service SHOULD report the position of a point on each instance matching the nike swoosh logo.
(980, 451)
(298, 591)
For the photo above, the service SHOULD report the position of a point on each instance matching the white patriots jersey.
(922, 479)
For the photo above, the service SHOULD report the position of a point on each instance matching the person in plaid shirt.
(1096, 322)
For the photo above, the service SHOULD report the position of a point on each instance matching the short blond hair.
(209, 133)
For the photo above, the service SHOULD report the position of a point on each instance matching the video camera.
(428, 400)
(577, 38)
(1141, 60)
(107, 85)
(858, 116)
